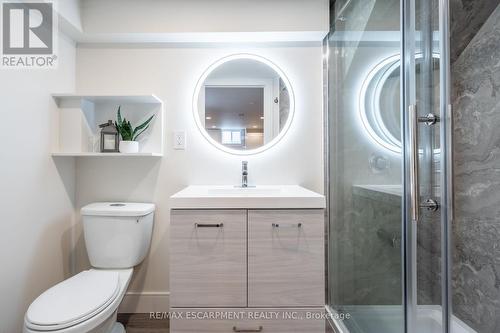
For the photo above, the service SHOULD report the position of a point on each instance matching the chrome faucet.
(244, 174)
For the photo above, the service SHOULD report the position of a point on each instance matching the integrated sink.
(266, 196)
(244, 191)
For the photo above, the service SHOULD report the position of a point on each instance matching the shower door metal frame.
(410, 178)
(446, 161)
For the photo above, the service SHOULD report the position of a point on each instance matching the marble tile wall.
(476, 229)
(467, 17)
(371, 252)
(372, 262)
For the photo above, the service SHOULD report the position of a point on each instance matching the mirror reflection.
(243, 104)
(380, 109)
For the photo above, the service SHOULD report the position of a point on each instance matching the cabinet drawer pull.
(209, 225)
(235, 329)
(277, 225)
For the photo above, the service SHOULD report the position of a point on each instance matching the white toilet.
(117, 236)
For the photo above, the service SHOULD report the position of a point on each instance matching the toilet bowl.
(117, 236)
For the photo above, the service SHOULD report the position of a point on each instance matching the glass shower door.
(365, 166)
(387, 166)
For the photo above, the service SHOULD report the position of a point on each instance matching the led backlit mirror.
(379, 101)
(243, 104)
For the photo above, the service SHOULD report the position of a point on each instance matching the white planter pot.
(129, 147)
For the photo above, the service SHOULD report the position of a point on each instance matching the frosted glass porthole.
(243, 104)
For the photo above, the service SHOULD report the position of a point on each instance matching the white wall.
(70, 18)
(70, 10)
(36, 191)
(171, 74)
(180, 16)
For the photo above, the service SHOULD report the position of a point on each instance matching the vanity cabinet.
(286, 258)
(208, 258)
(246, 261)
(288, 320)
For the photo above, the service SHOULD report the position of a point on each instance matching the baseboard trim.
(145, 302)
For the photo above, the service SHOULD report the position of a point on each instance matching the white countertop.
(266, 196)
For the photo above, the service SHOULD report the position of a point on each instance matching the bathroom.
(359, 194)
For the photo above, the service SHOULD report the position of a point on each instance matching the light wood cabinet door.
(208, 258)
(286, 258)
(248, 320)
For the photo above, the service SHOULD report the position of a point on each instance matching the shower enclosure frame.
(408, 248)
(409, 35)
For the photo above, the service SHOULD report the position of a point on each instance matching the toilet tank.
(117, 234)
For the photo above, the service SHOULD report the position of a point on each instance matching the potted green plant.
(129, 135)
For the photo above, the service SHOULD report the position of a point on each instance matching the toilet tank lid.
(118, 209)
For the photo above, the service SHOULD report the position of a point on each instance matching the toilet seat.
(73, 301)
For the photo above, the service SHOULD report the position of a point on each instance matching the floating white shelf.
(79, 115)
(106, 155)
(123, 99)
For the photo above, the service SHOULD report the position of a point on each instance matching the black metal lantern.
(109, 137)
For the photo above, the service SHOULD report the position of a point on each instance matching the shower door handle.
(414, 184)
(413, 121)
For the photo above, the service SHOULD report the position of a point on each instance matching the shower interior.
(387, 273)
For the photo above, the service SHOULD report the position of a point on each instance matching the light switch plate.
(179, 140)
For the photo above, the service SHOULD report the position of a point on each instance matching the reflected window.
(233, 137)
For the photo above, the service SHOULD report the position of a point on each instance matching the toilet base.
(118, 328)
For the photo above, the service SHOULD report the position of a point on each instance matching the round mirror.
(243, 104)
(379, 101)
